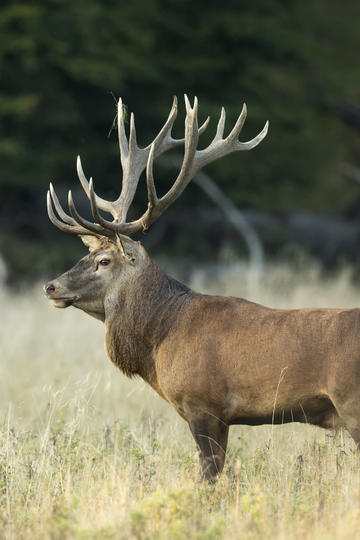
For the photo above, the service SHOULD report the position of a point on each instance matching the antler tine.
(151, 189)
(191, 140)
(94, 208)
(63, 215)
(133, 161)
(204, 126)
(235, 132)
(102, 203)
(132, 137)
(123, 143)
(164, 135)
(187, 104)
(248, 145)
(221, 125)
(87, 225)
(74, 229)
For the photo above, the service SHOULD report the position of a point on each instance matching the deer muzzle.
(57, 298)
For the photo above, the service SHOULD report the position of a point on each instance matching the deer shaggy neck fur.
(148, 310)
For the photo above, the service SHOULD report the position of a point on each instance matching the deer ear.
(92, 242)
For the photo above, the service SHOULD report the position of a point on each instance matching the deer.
(219, 361)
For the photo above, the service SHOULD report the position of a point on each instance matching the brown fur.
(220, 360)
(148, 315)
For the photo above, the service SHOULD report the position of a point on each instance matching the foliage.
(63, 63)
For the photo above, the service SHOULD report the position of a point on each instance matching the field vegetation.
(86, 453)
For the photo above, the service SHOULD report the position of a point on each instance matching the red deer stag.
(218, 360)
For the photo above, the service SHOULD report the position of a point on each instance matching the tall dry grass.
(86, 453)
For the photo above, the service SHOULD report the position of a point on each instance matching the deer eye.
(104, 262)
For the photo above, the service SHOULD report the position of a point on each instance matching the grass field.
(87, 454)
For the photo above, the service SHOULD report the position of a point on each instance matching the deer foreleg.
(211, 436)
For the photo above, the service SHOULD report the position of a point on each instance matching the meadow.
(87, 454)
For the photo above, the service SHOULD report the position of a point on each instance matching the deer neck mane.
(140, 317)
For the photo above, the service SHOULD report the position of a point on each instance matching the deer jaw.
(98, 277)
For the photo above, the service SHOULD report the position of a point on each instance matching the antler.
(134, 160)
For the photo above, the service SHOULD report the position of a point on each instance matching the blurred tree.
(63, 63)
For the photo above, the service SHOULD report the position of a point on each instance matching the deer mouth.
(63, 302)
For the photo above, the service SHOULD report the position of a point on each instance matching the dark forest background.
(63, 64)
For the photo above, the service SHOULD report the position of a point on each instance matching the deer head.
(114, 257)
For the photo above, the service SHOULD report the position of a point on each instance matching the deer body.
(237, 360)
(217, 360)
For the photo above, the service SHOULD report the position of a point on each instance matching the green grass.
(86, 453)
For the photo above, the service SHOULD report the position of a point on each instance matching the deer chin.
(63, 302)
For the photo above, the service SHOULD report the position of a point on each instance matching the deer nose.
(49, 289)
